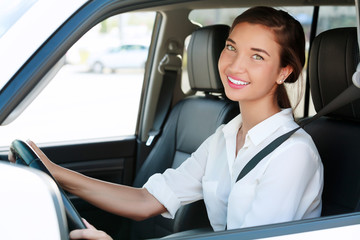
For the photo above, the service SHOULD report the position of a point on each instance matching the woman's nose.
(238, 63)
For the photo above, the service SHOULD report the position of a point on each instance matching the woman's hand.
(40, 153)
(36, 149)
(90, 233)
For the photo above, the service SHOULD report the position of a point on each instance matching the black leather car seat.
(333, 60)
(190, 122)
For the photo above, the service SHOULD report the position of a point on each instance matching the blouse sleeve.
(176, 187)
(289, 188)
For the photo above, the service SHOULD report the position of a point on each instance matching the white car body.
(30, 205)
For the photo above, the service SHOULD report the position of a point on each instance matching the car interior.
(179, 122)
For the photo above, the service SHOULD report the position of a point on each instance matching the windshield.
(11, 11)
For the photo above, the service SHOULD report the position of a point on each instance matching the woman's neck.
(253, 114)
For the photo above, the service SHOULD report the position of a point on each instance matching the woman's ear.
(284, 74)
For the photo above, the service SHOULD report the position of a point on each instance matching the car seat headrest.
(204, 51)
(333, 60)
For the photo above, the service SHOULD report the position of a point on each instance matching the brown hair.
(289, 35)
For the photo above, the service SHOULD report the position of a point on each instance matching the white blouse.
(286, 185)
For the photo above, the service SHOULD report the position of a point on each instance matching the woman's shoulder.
(298, 154)
(302, 137)
(300, 146)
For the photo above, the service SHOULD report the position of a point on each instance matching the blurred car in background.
(124, 56)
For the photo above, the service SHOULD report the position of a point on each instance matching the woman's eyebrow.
(230, 40)
(260, 50)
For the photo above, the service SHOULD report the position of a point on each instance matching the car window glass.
(96, 94)
(335, 17)
(205, 17)
(11, 11)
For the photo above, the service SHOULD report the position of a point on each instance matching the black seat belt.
(348, 95)
(163, 106)
(264, 152)
(169, 67)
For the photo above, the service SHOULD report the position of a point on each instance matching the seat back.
(333, 60)
(190, 122)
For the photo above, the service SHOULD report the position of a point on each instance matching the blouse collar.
(262, 130)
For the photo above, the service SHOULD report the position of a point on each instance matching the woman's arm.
(130, 202)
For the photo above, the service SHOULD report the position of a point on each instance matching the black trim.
(312, 36)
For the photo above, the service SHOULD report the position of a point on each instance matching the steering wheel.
(24, 155)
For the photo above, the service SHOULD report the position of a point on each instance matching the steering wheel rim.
(24, 155)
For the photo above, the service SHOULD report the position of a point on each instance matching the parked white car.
(124, 56)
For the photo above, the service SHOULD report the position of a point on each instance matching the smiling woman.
(280, 50)
(296, 93)
(248, 61)
(253, 54)
(252, 67)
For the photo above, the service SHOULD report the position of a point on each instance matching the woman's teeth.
(238, 82)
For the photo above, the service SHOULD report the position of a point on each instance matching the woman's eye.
(230, 47)
(257, 57)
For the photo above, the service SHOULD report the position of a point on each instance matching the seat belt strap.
(169, 67)
(348, 95)
(264, 152)
(163, 106)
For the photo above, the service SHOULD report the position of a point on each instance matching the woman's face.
(249, 65)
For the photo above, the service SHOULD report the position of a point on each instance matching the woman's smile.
(237, 83)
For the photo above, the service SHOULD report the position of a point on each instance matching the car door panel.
(106, 160)
(111, 161)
